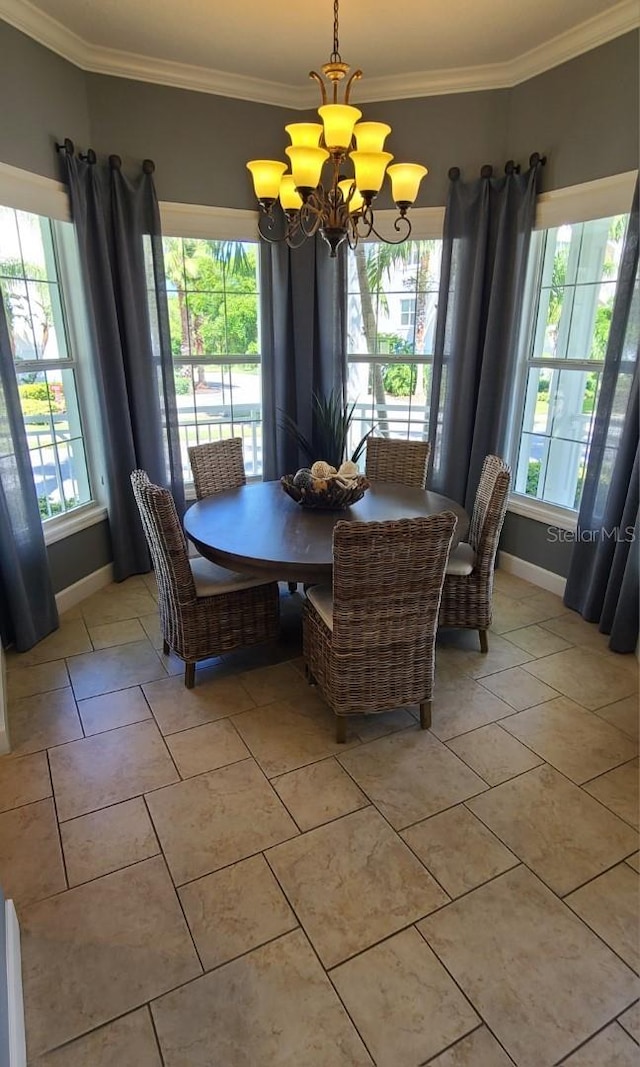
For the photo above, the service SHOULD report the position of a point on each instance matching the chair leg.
(341, 729)
(292, 586)
(165, 648)
(484, 641)
(425, 715)
(189, 675)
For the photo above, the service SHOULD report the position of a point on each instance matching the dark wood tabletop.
(258, 528)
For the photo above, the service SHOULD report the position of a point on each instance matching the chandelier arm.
(357, 74)
(268, 225)
(402, 220)
(316, 77)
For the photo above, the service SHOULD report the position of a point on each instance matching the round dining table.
(259, 529)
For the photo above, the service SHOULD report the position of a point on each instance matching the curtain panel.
(603, 576)
(487, 233)
(117, 223)
(27, 604)
(303, 316)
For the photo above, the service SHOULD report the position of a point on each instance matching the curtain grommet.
(486, 171)
(148, 166)
(454, 173)
(115, 162)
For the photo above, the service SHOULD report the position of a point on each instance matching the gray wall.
(79, 555)
(537, 543)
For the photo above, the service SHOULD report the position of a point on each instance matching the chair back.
(387, 584)
(489, 511)
(216, 466)
(393, 460)
(168, 548)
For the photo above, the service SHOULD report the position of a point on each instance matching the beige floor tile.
(479, 1049)
(108, 634)
(371, 727)
(403, 1002)
(410, 776)
(107, 840)
(28, 681)
(618, 791)
(577, 631)
(177, 708)
(268, 684)
(129, 1040)
(286, 735)
(518, 688)
(563, 834)
(538, 976)
(572, 740)
(151, 584)
(107, 768)
(151, 626)
(493, 753)
(30, 858)
(23, 780)
(70, 639)
(461, 704)
(43, 720)
(538, 641)
(217, 818)
(100, 950)
(458, 850)
(71, 613)
(589, 677)
(511, 585)
(612, 1047)
(630, 1020)
(353, 882)
(551, 602)
(111, 710)
(235, 910)
(634, 861)
(318, 793)
(609, 905)
(114, 668)
(274, 1007)
(206, 747)
(625, 714)
(510, 614)
(460, 650)
(117, 602)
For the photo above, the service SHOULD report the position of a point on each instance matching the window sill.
(63, 526)
(549, 514)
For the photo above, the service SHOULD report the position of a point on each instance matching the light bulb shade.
(290, 199)
(306, 165)
(266, 174)
(370, 168)
(304, 134)
(357, 202)
(405, 181)
(338, 120)
(370, 136)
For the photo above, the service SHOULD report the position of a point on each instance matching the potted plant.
(331, 420)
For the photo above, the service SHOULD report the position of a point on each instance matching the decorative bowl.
(333, 498)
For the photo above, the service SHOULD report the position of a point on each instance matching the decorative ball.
(303, 479)
(323, 470)
(348, 469)
(320, 485)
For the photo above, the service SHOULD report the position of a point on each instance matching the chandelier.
(342, 208)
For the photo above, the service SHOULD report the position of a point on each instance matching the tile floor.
(205, 878)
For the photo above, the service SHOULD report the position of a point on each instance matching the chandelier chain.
(336, 43)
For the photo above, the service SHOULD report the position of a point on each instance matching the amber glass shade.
(356, 202)
(306, 165)
(266, 174)
(370, 136)
(304, 134)
(370, 168)
(290, 199)
(405, 181)
(338, 120)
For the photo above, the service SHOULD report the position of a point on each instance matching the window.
(212, 290)
(574, 270)
(46, 369)
(392, 305)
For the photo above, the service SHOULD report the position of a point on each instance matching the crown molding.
(606, 26)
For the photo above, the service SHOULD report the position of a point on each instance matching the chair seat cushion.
(462, 560)
(321, 596)
(212, 580)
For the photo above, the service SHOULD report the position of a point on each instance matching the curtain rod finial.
(66, 146)
(536, 158)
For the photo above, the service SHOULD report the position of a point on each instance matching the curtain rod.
(510, 167)
(115, 162)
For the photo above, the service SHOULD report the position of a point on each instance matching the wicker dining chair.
(216, 466)
(468, 584)
(393, 460)
(205, 610)
(369, 642)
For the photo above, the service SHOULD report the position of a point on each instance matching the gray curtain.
(118, 226)
(603, 576)
(487, 232)
(27, 604)
(303, 301)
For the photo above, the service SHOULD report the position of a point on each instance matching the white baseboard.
(17, 1043)
(91, 583)
(554, 583)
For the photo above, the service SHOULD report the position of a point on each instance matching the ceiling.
(264, 50)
